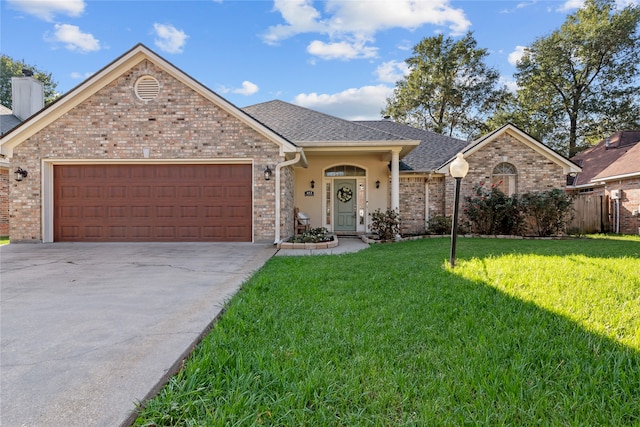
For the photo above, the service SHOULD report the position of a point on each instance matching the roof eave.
(105, 76)
(567, 165)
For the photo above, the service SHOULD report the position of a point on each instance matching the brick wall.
(412, 205)
(629, 202)
(114, 124)
(535, 172)
(4, 201)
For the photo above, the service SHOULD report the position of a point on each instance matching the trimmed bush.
(550, 211)
(490, 211)
(385, 224)
(439, 225)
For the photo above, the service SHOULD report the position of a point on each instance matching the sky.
(338, 57)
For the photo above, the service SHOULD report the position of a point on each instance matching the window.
(345, 170)
(504, 178)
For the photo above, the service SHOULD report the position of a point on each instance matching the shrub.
(490, 211)
(439, 225)
(385, 224)
(551, 211)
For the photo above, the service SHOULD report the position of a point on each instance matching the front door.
(345, 203)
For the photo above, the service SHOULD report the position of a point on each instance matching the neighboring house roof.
(7, 120)
(615, 157)
(113, 71)
(434, 149)
(308, 128)
(567, 165)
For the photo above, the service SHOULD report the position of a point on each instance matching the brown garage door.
(152, 203)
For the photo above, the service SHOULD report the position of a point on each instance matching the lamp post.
(458, 169)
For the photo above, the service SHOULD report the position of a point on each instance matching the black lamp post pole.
(454, 225)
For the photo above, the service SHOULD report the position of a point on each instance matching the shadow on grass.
(389, 336)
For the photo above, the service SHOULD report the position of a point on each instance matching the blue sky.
(339, 57)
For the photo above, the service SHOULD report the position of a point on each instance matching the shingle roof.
(300, 125)
(433, 151)
(7, 120)
(617, 155)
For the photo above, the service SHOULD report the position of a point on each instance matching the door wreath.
(345, 194)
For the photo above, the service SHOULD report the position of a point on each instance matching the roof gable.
(613, 157)
(434, 148)
(308, 128)
(567, 165)
(110, 73)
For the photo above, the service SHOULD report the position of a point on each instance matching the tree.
(449, 89)
(11, 68)
(584, 77)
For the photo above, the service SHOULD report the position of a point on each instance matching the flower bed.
(310, 245)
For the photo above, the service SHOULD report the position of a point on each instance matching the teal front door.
(345, 204)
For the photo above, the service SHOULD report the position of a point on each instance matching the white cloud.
(512, 85)
(74, 39)
(169, 38)
(80, 76)
(571, 5)
(248, 88)
(355, 23)
(516, 55)
(363, 103)
(392, 71)
(341, 50)
(47, 9)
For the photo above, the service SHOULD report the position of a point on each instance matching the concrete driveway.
(87, 330)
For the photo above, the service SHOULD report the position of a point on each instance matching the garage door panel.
(116, 192)
(152, 203)
(116, 232)
(117, 211)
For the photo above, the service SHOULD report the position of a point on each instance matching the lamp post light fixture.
(20, 174)
(267, 174)
(458, 169)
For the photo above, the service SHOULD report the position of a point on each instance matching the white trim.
(47, 184)
(567, 165)
(279, 166)
(110, 73)
(598, 179)
(395, 181)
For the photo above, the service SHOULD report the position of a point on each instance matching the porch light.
(378, 184)
(20, 174)
(458, 169)
(313, 184)
(267, 174)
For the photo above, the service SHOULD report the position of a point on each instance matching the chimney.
(27, 95)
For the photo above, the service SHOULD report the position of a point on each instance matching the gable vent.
(147, 88)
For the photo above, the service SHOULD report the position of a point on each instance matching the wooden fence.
(591, 214)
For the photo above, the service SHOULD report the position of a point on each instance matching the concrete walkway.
(87, 330)
(345, 245)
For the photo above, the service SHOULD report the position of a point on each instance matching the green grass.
(522, 332)
(4, 241)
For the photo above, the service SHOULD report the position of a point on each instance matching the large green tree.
(12, 68)
(449, 89)
(581, 82)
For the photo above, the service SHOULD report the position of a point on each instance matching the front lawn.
(522, 332)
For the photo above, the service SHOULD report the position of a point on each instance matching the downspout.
(279, 166)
